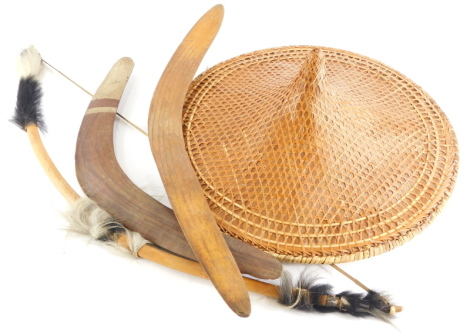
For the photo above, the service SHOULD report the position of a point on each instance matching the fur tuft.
(85, 217)
(28, 105)
(29, 63)
(307, 295)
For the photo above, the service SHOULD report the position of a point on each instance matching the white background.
(51, 282)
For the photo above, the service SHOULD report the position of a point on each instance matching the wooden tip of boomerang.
(217, 10)
(240, 305)
(208, 25)
(185, 194)
(244, 311)
(114, 83)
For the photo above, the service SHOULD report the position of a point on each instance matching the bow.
(340, 302)
(86, 217)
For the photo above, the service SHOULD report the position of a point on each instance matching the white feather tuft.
(29, 63)
(135, 241)
(85, 217)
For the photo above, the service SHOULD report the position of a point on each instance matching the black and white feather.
(28, 104)
(308, 295)
(85, 217)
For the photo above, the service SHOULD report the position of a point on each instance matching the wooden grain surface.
(178, 176)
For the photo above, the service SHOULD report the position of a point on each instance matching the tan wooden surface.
(149, 252)
(179, 179)
(166, 259)
(48, 166)
(103, 180)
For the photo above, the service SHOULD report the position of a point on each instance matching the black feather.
(308, 295)
(378, 301)
(354, 303)
(28, 104)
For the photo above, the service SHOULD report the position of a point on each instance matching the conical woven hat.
(318, 155)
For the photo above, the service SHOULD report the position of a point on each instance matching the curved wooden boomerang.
(103, 180)
(178, 176)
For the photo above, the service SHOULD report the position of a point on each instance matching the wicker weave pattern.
(318, 155)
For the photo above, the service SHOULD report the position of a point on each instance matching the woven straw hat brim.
(318, 155)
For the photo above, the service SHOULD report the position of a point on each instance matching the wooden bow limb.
(356, 281)
(27, 116)
(154, 253)
(103, 180)
(48, 166)
(161, 257)
(149, 251)
(30, 121)
(180, 181)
